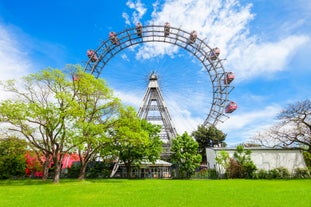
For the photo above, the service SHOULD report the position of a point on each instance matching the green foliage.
(208, 137)
(185, 155)
(206, 174)
(97, 170)
(282, 173)
(223, 160)
(74, 171)
(262, 174)
(245, 167)
(12, 157)
(58, 114)
(94, 109)
(307, 158)
(135, 140)
(279, 173)
(302, 173)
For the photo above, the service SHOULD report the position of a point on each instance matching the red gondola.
(92, 55)
(229, 77)
(193, 37)
(214, 53)
(167, 28)
(139, 29)
(75, 77)
(113, 38)
(231, 107)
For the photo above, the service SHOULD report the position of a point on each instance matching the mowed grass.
(153, 192)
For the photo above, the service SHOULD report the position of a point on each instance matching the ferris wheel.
(220, 80)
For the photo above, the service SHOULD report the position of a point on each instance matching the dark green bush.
(302, 173)
(262, 174)
(278, 173)
(74, 171)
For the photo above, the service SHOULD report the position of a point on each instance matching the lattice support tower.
(154, 110)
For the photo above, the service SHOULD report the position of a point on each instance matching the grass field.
(134, 193)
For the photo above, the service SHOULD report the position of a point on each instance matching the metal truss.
(179, 37)
(153, 109)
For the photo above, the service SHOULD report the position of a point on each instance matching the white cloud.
(223, 23)
(226, 24)
(243, 125)
(264, 59)
(127, 18)
(14, 61)
(139, 11)
(219, 22)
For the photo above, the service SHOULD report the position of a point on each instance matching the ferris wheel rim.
(179, 37)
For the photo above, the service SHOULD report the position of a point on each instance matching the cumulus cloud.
(245, 124)
(225, 24)
(139, 11)
(14, 61)
(252, 60)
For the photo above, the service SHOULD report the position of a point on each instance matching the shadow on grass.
(28, 181)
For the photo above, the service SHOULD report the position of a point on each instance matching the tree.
(185, 155)
(135, 140)
(242, 158)
(57, 114)
(12, 157)
(39, 113)
(208, 137)
(293, 129)
(95, 110)
(223, 160)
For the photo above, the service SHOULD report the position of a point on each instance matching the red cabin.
(167, 28)
(75, 77)
(113, 38)
(92, 55)
(193, 37)
(139, 29)
(231, 107)
(214, 53)
(229, 77)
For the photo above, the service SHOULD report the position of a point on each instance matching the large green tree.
(40, 112)
(12, 157)
(135, 140)
(185, 155)
(208, 137)
(59, 114)
(95, 109)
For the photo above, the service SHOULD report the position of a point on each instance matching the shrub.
(206, 174)
(212, 174)
(301, 173)
(74, 171)
(243, 157)
(307, 158)
(262, 174)
(235, 169)
(278, 173)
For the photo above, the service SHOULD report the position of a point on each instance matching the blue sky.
(265, 43)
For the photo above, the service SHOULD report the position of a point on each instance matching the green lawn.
(155, 192)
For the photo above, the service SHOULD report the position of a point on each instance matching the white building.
(263, 158)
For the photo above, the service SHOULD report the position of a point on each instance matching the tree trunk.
(57, 171)
(128, 169)
(82, 170)
(45, 170)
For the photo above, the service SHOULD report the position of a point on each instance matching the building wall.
(266, 159)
